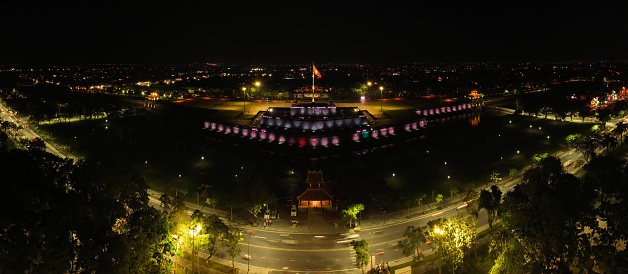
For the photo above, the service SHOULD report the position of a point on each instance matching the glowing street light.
(381, 99)
(257, 86)
(439, 232)
(193, 232)
(243, 99)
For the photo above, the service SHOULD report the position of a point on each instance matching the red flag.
(315, 71)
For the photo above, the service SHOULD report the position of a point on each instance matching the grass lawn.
(172, 143)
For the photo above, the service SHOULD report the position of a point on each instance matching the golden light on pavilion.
(153, 96)
(474, 94)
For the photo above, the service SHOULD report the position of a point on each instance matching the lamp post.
(248, 252)
(369, 88)
(257, 86)
(369, 248)
(193, 232)
(437, 232)
(381, 99)
(243, 100)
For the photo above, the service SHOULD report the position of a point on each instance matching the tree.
(608, 140)
(216, 229)
(351, 212)
(548, 213)
(113, 230)
(511, 259)
(36, 144)
(361, 253)
(255, 209)
(411, 245)
(419, 200)
(495, 176)
(454, 192)
(585, 111)
(571, 138)
(512, 172)
(604, 115)
(607, 177)
(439, 198)
(621, 128)
(586, 146)
(490, 201)
(539, 156)
(454, 236)
(231, 241)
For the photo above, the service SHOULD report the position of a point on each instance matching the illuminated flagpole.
(312, 81)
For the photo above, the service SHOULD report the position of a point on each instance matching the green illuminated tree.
(511, 260)
(571, 138)
(539, 156)
(453, 236)
(231, 241)
(361, 253)
(454, 192)
(495, 176)
(439, 198)
(255, 209)
(351, 212)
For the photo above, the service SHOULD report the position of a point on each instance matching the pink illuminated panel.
(324, 141)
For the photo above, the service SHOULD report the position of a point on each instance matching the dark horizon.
(279, 32)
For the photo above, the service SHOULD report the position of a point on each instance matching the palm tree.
(608, 140)
(621, 127)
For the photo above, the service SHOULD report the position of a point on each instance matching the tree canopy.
(62, 216)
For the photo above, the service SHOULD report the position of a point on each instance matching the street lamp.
(248, 262)
(257, 86)
(193, 232)
(381, 99)
(438, 232)
(243, 100)
(373, 245)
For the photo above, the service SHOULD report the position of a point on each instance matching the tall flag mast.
(314, 73)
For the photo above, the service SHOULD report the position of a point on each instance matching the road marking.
(300, 250)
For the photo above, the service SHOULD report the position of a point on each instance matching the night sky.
(287, 32)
